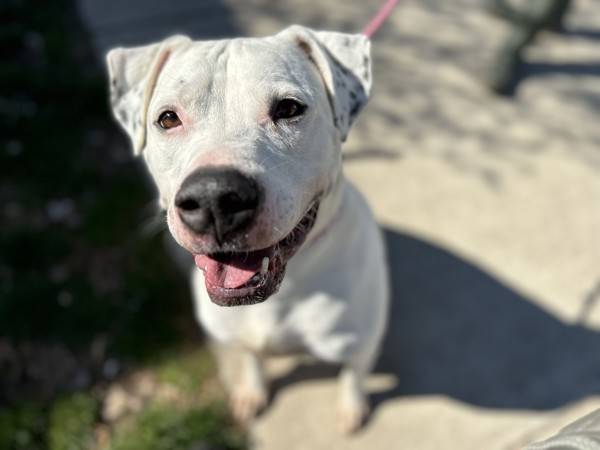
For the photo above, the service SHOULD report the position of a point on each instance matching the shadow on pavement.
(584, 33)
(455, 330)
(538, 69)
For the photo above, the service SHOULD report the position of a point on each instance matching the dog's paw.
(352, 414)
(245, 403)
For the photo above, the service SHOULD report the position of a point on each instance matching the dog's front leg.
(248, 394)
(353, 408)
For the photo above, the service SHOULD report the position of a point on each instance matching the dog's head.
(242, 138)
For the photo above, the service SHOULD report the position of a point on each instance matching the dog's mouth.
(249, 277)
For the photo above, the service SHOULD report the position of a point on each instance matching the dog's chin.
(250, 276)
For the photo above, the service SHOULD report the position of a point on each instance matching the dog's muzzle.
(223, 204)
(248, 277)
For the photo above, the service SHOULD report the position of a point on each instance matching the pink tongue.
(230, 273)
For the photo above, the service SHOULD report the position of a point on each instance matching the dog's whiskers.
(155, 223)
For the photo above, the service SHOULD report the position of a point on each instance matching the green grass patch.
(186, 371)
(161, 428)
(23, 428)
(71, 423)
(66, 424)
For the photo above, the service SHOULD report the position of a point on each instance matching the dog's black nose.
(217, 201)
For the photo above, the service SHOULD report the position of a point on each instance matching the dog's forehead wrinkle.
(218, 49)
(268, 61)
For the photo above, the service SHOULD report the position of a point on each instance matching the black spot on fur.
(340, 83)
(355, 110)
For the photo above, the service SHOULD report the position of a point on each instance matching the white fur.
(332, 302)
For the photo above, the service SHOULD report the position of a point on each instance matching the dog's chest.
(316, 325)
(270, 330)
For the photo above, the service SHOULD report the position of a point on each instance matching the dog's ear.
(344, 62)
(133, 73)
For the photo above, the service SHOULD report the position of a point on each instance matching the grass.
(187, 371)
(71, 422)
(169, 428)
(85, 294)
(65, 424)
(22, 427)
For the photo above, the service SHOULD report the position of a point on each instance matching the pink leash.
(381, 16)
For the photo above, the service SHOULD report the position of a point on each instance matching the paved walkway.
(491, 210)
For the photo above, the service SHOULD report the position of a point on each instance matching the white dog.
(243, 137)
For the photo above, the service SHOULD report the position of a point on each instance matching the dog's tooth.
(265, 265)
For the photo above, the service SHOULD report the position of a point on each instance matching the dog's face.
(242, 138)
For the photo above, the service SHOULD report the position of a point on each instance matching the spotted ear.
(133, 73)
(344, 61)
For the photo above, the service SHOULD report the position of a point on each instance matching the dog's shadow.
(455, 330)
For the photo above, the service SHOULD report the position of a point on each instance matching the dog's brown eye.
(168, 119)
(286, 109)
